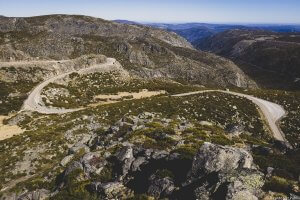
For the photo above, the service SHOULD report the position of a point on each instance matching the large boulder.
(90, 164)
(66, 160)
(221, 159)
(225, 172)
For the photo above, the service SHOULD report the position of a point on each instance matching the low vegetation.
(80, 90)
(290, 124)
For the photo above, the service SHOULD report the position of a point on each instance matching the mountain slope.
(272, 59)
(145, 51)
(193, 32)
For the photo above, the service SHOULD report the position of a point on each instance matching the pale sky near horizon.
(216, 11)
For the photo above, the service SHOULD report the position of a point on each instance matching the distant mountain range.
(269, 54)
(197, 31)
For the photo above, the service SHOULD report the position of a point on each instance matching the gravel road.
(34, 101)
(271, 111)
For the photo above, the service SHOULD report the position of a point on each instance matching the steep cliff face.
(144, 51)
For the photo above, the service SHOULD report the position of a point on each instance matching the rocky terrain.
(271, 59)
(145, 51)
(96, 109)
(205, 145)
(143, 156)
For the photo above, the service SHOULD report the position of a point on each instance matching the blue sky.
(226, 11)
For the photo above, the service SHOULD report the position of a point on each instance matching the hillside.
(145, 51)
(93, 109)
(271, 59)
(194, 32)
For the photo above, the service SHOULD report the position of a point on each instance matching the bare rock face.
(225, 172)
(221, 159)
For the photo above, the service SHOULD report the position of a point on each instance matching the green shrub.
(221, 139)
(187, 151)
(75, 187)
(278, 184)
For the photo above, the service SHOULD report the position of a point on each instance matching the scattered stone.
(72, 167)
(135, 166)
(205, 123)
(78, 147)
(92, 163)
(125, 159)
(66, 160)
(270, 171)
(112, 190)
(234, 129)
(39, 194)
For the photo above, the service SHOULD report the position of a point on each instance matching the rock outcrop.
(225, 172)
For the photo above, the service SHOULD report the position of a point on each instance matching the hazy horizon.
(188, 11)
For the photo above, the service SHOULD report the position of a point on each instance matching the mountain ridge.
(146, 51)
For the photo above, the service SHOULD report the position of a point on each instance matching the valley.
(97, 109)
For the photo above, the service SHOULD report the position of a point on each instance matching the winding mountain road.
(34, 100)
(271, 111)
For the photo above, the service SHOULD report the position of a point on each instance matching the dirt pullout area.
(130, 95)
(113, 98)
(7, 131)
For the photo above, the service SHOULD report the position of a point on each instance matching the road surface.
(271, 111)
(34, 100)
